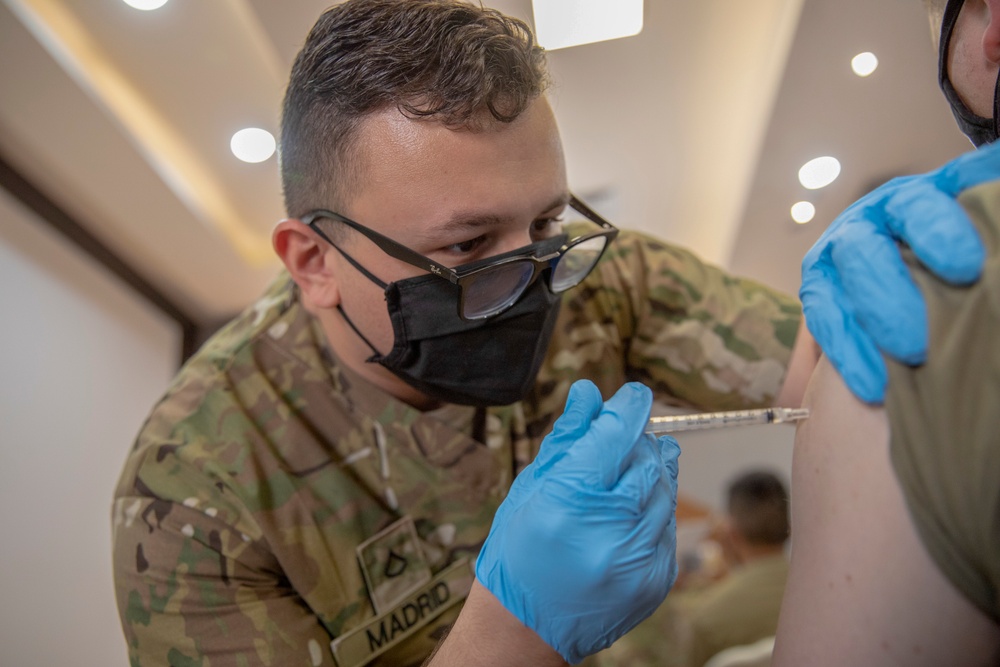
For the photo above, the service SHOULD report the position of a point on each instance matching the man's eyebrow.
(466, 221)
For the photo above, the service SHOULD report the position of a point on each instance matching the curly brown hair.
(453, 62)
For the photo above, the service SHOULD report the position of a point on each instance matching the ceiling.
(694, 130)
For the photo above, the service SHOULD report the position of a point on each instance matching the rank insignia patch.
(393, 564)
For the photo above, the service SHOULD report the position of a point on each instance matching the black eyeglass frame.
(459, 276)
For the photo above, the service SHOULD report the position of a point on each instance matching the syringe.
(705, 420)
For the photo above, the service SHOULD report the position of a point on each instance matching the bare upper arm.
(862, 590)
(805, 354)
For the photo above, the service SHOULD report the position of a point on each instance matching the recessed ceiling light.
(252, 144)
(819, 173)
(562, 23)
(145, 5)
(864, 64)
(803, 212)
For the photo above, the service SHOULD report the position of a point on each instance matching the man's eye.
(546, 227)
(465, 247)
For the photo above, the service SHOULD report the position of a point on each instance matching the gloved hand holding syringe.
(705, 420)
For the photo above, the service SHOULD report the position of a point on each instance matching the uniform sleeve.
(695, 334)
(194, 588)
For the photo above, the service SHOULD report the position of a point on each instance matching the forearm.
(487, 635)
(696, 333)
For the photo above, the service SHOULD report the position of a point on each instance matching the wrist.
(487, 635)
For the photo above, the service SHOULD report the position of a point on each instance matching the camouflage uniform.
(275, 501)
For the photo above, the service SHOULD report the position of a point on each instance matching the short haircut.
(446, 60)
(758, 508)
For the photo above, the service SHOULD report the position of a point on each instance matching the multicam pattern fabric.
(241, 508)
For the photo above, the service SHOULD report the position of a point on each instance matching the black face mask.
(978, 129)
(484, 363)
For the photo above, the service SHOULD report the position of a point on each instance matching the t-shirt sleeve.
(942, 418)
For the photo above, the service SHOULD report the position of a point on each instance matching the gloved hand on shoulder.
(584, 546)
(857, 294)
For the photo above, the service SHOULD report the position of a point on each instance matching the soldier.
(896, 552)
(319, 476)
(896, 517)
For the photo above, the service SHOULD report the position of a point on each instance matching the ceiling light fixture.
(252, 144)
(145, 5)
(819, 173)
(563, 23)
(864, 64)
(803, 212)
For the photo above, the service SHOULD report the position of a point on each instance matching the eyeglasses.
(490, 287)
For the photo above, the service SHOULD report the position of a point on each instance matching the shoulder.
(231, 399)
(743, 591)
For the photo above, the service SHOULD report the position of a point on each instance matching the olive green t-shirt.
(943, 416)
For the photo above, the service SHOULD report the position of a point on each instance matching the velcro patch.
(393, 564)
(365, 643)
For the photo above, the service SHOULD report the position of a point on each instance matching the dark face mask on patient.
(978, 129)
(483, 362)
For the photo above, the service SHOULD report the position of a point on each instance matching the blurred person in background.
(743, 607)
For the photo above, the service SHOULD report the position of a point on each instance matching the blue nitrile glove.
(584, 546)
(857, 294)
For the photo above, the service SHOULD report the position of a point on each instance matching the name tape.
(364, 643)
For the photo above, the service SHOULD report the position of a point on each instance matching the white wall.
(82, 360)
(711, 459)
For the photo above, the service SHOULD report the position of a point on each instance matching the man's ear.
(309, 261)
(991, 37)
